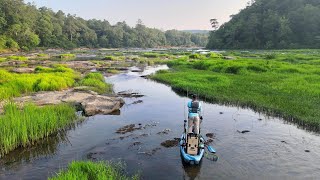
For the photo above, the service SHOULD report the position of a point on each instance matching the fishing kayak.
(191, 158)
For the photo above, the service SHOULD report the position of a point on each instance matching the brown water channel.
(273, 149)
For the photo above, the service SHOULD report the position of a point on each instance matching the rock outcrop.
(90, 102)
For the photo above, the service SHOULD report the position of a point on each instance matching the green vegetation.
(17, 58)
(2, 59)
(96, 82)
(276, 24)
(46, 79)
(286, 84)
(93, 171)
(109, 58)
(67, 56)
(21, 128)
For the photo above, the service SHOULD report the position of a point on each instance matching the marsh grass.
(24, 127)
(45, 79)
(88, 170)
(17, 58)
(96, 82)
(277, 87)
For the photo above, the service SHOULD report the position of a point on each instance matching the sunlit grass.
(21, 128)
(96, 82)
(290, 89)
(46, 79)
(88, 170)
(17, 58)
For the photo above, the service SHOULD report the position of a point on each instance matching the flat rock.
(89, 101)
(23, 70)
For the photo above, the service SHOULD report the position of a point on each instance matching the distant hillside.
(24, 26)
(197, 31)
(271, 24)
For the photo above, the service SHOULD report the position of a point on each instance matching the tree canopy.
(24, 26)
(271, 24)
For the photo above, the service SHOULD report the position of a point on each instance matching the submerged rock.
(171, 143)
(129, 94)
(210, 135)
(243, 132)
(90, 102)
(128, 128)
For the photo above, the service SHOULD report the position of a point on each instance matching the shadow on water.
(190, 171)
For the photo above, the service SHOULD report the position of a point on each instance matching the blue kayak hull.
(188, 158)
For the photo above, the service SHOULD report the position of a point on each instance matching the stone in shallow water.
(90, 102)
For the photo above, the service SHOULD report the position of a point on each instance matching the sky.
(161, 14)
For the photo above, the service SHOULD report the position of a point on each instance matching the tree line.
(24, 26)
(271, 24)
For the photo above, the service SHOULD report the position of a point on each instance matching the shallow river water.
(273, 149)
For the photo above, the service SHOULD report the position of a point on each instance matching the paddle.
(210, 148)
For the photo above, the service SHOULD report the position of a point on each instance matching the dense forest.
(24, 26)
(271, 24)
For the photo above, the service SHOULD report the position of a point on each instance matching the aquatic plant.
(96, 82)
(17, 58)
(23, 127)
(94, 170)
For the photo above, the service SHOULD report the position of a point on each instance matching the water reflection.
(191, 172)
(43, 148)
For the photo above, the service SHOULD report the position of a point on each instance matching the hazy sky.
(162, 14)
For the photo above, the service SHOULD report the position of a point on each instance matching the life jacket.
(194, 107)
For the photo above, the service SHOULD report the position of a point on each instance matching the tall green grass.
(45, 79)
(93, 171)
(96, 82)
(287, 89)
(23, 127)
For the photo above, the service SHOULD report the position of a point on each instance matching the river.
(273, 149)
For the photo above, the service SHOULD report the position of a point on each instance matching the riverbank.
(283, 84)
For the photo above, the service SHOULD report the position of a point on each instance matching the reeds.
(93, 170)
(23, 127)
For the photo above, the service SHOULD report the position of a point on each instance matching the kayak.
(191, 158)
